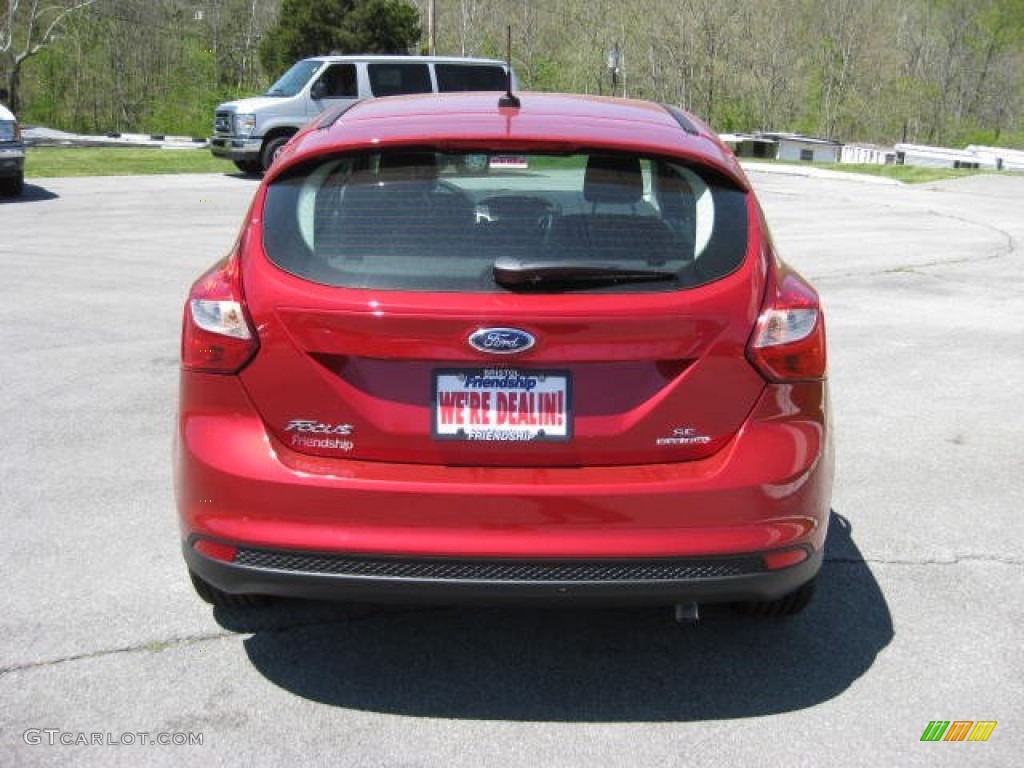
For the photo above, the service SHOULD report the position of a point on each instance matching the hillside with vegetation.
(926, 71)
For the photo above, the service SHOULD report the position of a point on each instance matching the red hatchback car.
(471, 348)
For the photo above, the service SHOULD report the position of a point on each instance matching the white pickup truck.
(250, 132)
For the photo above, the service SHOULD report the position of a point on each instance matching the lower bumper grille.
(446, 569)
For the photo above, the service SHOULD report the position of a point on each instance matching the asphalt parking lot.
(918, 616)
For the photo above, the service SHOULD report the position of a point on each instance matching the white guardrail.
(38, 136)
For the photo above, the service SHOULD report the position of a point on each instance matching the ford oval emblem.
(501, 341)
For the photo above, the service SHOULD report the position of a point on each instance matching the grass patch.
(48, 162)
(909, 174)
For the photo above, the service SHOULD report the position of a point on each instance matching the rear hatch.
(503, 310)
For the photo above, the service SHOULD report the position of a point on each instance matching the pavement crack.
(249, 624)
(146, 647)
(1008, 248)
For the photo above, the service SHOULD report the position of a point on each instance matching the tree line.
(926, 71)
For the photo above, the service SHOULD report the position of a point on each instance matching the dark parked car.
(12, 155)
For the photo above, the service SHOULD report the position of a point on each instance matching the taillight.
(217, 336)
(788, 343)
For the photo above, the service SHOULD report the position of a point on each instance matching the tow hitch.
(687, 613)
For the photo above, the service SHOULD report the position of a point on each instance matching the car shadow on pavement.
(31, 193)
(576, 664)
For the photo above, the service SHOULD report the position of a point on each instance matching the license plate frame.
(504, 405)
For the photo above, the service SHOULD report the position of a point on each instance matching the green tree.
(380, 26)
(928, 71)
(312, 27)
(26, 28)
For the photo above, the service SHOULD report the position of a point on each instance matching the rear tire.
(787, 605)
(221, 599)
(12, 186)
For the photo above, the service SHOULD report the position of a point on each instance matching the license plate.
(502, 404)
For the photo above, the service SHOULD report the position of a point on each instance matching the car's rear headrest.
(408, 166)
(613, 179)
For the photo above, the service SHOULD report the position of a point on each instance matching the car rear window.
(422, 220)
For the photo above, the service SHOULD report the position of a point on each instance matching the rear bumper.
(333, 527)
(235, 149)
(12, 160)
(666, 580)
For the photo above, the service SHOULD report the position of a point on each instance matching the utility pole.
(431, 29)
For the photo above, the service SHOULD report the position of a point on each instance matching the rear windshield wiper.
(517, 273)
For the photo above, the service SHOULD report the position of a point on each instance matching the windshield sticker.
(501, 405)
(516, 162)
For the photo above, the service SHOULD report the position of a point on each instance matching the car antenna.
(509, 99)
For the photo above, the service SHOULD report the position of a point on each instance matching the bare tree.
(27, 28)
(771, 58)
(844, 29)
